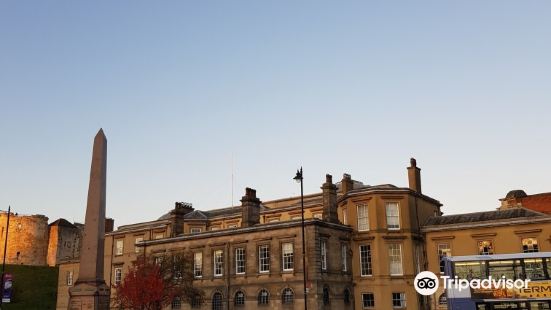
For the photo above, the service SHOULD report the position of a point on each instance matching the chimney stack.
(414, 176)
(346, 183)
(329, 193)
(109, 225)
(250, 208)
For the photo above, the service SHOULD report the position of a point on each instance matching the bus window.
(534, 269)
(510, 269)
(470, 270)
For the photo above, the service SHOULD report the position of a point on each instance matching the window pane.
(263, 297)
(363, 218)
(365, 260)
(470, 270)
(264, 258)
(218, 263)
(368, 300)
(395, 259)
(240, 260)
(287, 296)
(398, 300)
(530, 245)
(198, 264)
(288, 260)
(344, 251)
(534, 269)
(323, 251)
(392, 215)
(485, 247)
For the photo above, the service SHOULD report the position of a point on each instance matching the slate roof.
(195, 215)
(62, 222)
(486, 216)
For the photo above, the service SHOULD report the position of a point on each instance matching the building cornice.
(245, 230)
(470, 225)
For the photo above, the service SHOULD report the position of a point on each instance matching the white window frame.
(119, 246)
(69, 278)
(363, 217)
(240, 261)
(395, 259)
(402, 299)
(118, 275)
(368, 270)
(390, 216)
(288, 253)
(218, 263)
(365, 294)
(344, 256)
(264, 258)
(198, 264)
(323, 254)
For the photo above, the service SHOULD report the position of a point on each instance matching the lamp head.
(298, 176)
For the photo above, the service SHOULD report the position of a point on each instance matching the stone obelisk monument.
(90, 291)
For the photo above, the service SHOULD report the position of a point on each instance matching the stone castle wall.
(27, 239)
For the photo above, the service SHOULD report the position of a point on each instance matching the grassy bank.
(34, 287)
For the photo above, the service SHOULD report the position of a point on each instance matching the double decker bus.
(533, 266)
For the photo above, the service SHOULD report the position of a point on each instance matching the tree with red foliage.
(151, 284)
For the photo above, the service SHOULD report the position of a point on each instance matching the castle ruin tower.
(90, 291)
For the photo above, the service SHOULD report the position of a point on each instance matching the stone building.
(514, 230)
(27, 238)
(64, 241)
(363, 248)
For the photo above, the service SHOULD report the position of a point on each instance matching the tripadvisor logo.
(426, 283)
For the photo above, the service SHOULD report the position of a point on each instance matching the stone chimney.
(414, 176)
(346, 184)
(109, 225)
(250, 208)
(329, 193)
(177, 216)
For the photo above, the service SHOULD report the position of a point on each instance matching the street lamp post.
(299, 179)
(4, 260)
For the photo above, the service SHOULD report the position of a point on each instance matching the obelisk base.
(89, 296)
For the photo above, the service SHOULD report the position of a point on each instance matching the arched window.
(287, 296)
(196, 301)
(239, 299)
(263, 297)
(326, 296)
(217, 301)
(346, 296)
(176, 304)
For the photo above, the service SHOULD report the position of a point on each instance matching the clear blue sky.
(356, 87)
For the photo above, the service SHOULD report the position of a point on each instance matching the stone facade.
(361, 240)
(64, 241)
(503, 232)
(27, 239)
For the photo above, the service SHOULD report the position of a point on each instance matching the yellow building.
(364, 247)
(513, 230)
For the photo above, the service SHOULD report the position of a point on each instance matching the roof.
(486, 216)
(195, 215)
(62, 222)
